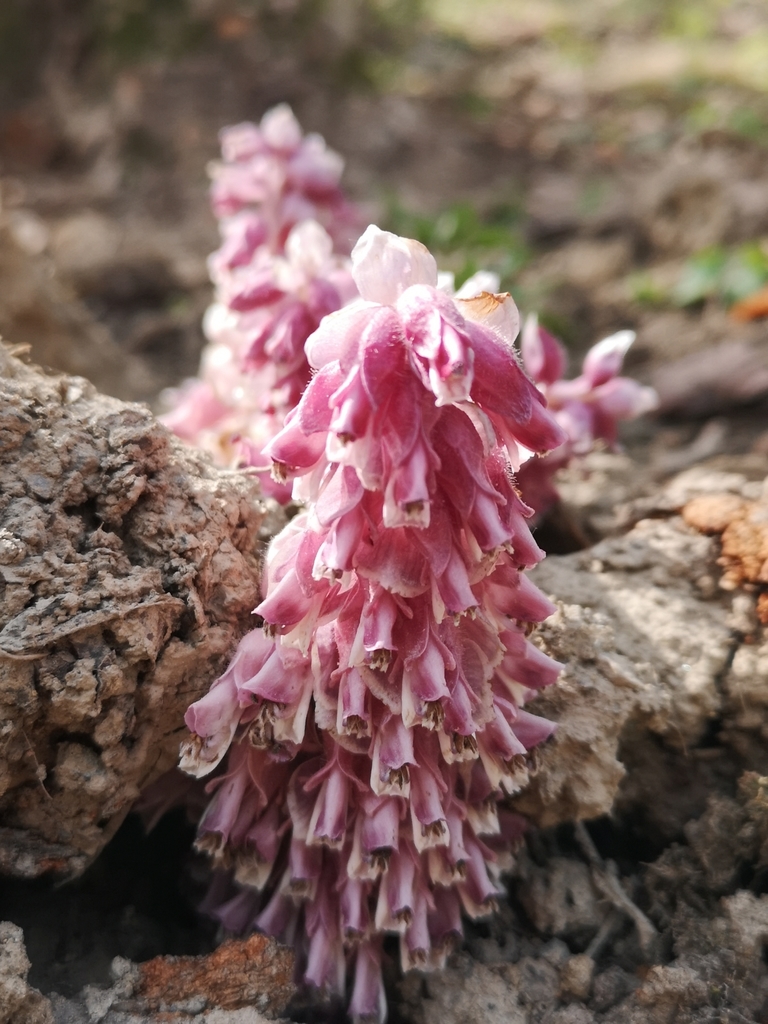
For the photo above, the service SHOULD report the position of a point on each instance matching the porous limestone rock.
(645, 637)
(128, 571)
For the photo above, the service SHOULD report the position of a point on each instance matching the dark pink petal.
(336, 555)
(486, 523)
(221, 814)
(197, 408)
(278, 682)
(423, 684)
(392, 752)
(329, 818)
(623, 399)
(337, 337)
(500, 741)
(353, 906)
(285, 345)
(260, 292)
(325, 961)
(304, 865)
(383, 356)
(369, 1003)
(216, 711)
(351, 409)
(353, 714)
(340, 495)
(532, 730)
(394, 562)
(378, 622)
(322, 298)
(444, 919)
(478, 891)
(513, 594)
(394, 910)
(427, 814)
(535, 670)
(279, 918)
(286, 604)
(381, 826)
(454, 586)
(499, 385)
(292, 449)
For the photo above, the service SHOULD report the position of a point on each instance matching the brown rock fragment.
(576, 977)
(711, 513)
(250, 972)
(743, 526)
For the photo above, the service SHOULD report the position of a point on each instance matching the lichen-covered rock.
(244, 981)
(255, 971)
(128, 572)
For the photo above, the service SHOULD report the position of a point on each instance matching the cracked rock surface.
(128, 572)
(645, 638)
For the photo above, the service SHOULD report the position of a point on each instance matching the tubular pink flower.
(388, 683)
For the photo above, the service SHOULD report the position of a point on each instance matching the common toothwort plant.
(372, 726)
(282, 266)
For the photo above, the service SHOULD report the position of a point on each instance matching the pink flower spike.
(377, 721)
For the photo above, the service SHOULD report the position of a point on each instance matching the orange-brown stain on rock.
(743, 526)
(242, 972)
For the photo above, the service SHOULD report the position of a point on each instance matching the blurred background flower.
(606, 160)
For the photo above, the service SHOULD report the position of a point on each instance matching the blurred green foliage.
(464, 242)
(132, 30)
(728, 275)
(20, 42)
(356, 42)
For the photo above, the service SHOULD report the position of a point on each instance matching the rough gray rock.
(467, 992)
(644, 634)
(128, 572)
(19, 1002)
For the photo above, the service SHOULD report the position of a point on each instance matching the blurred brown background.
(608, 157)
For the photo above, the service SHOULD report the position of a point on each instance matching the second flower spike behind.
(589, 408)
(364, 737)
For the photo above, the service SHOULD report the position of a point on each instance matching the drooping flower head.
(588, 408)
(375, 721)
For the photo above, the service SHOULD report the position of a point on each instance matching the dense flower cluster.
(374, 722)
(282, 266)
(588, 408)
